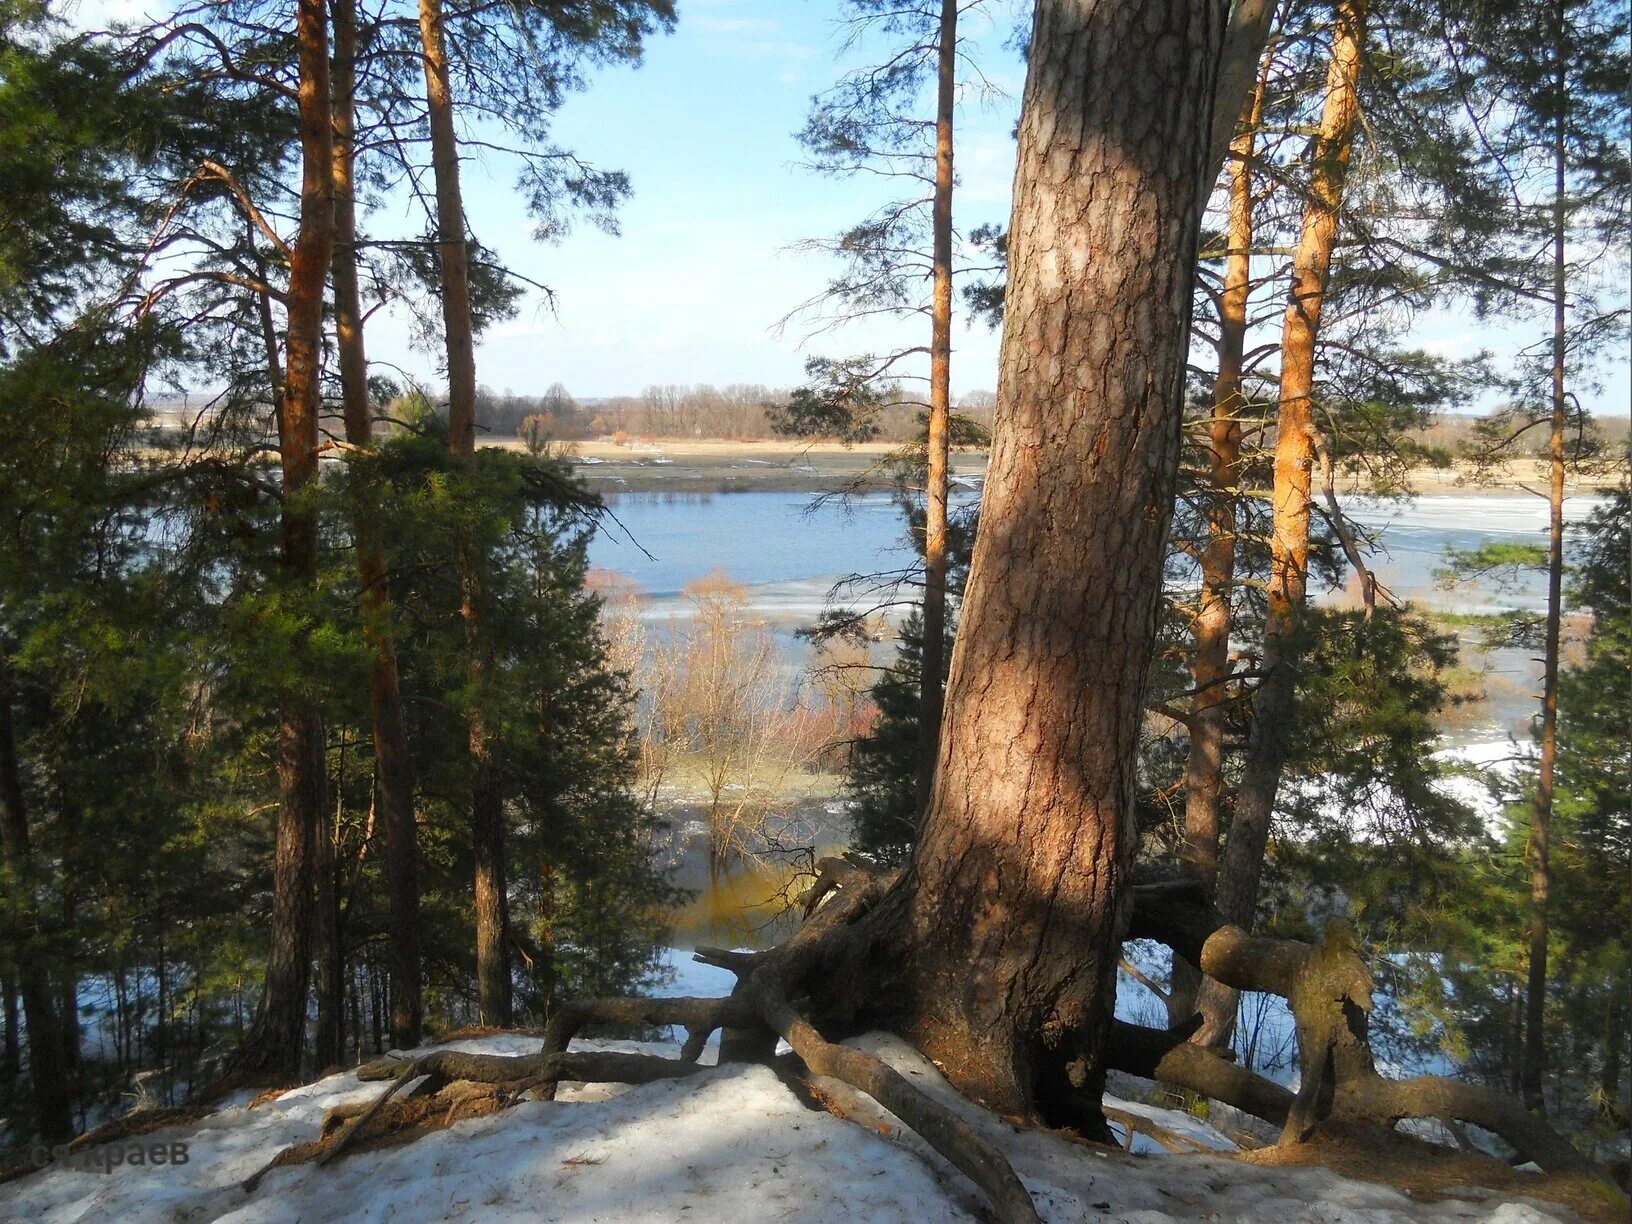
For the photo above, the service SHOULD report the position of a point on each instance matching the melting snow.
(731, 1144)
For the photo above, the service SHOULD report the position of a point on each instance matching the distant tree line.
(737, 411)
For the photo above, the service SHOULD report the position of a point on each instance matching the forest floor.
(734, 1144)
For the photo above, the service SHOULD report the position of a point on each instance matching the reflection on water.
(788, 548)
(745, 905)
(748, 901)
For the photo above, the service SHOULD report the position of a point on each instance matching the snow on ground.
(1487, 761)
(730, 1144)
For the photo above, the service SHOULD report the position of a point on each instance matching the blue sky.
(694, 288)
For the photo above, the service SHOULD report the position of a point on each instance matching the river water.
(789, 550)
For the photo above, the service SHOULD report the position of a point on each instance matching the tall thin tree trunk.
(393, 766)
(68, 957)
(1016, 905)
(1239, 66)
(326, 934)
(1541, 819)
(11, 1059)
(450, 232)
(933, 661)
(274, 1042)
(1609, 1069)
(354, 1002)
(1204, 765)
(493, 989)
(375, 983)
(1241, 866)
(47, 1074)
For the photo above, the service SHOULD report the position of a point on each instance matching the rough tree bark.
(452, 255)
(1014, 916)
(1236, 888)
(940, 409)
(393, 767)
(47, 1068)
(493, 988)
(273, 1044)
(1204, 765)
(1541, 819)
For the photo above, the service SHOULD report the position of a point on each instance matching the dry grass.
(1531, 473)
(400, 1122)
(477, 1032)
(1429, 1173)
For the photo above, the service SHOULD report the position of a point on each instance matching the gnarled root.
(939, 1127)
(585, 1066)
(1133, 1124)
(1168, 1055)
(1385, 1102)
(751, 1019)
(1328, 989)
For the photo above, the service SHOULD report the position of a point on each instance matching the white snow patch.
(1491, 761)
(731, 1144)
(1490, 514)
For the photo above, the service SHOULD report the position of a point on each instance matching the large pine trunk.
(493, 992)
(1240, 868)
(273, 1045)
(938, 441)
(1016, 898)
(393, 767)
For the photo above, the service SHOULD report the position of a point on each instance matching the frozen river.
(789, 549)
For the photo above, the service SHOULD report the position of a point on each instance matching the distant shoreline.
(702, 465)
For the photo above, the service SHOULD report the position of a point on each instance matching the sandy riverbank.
(703, 465)
(709, 465)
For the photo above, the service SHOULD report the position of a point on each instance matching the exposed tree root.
(939, 1127)
(1169, 1056)
(826, 974)
(757, 1012)
(1328, 989)
(761, 1002)
(354, 1127)
(403, 1120)
(589, 1067)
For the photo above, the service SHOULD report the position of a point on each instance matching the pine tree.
(1556, 99)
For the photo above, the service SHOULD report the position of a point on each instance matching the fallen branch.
(1132, 1124)
(352, 1128)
